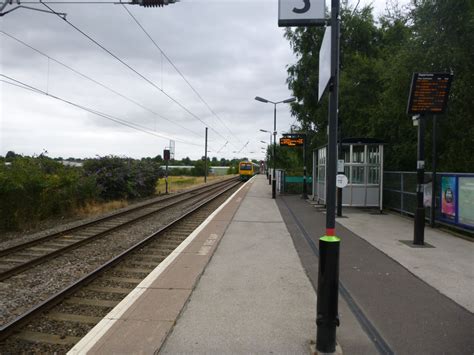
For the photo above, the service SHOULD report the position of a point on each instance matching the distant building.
(75, 164)
(184, 167)
(219, 170)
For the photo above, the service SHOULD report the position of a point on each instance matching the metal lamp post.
(287, 101)
(268, 161)
(268, 172)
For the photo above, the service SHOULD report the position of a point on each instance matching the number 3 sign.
(301, 13)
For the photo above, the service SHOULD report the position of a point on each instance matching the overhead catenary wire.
(133, 70)
(178, 71)
(109, 117)
(225, 144)
(98, 83)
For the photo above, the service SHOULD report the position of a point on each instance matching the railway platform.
(244, 282)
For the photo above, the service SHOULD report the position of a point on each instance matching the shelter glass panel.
(358, 175)
(321, 173)
(358, 154)
(374, 154)
(374, 175)
(346, 153)
(322, 156)
(347, 171)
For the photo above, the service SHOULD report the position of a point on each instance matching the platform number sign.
(301, 13)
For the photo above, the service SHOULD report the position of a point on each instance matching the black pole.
(328, 276)
(339, 154)
(419, 230)
(205, 159)
(433, 176)
(166, 179)
(305, 188)
(268, 167)
(274, 150)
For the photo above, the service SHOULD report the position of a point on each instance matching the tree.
(199, 168)
(377, 62)
(10, 155)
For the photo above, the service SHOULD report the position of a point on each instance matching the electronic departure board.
(292, 141)
(429, 93)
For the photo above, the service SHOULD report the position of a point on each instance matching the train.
(247, 169)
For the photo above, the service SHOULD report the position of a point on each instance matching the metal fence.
(291, 184)
(399, 194)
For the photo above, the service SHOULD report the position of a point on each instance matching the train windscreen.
(245, 166)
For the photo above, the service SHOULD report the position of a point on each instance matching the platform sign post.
(429, 94)
(312, 13)
(327, 318)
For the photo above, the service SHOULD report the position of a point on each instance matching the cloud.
(230, 51)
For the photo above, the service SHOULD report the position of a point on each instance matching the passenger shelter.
(363, 166)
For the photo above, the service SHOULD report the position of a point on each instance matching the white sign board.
(324, 63)
(301, 12)
(341, 180)
(340, 165)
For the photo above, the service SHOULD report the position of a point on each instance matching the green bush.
(122, 178)
(36, 188)
(32, 189)
(200, 168)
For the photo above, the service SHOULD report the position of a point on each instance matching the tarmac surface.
(244, 282)
(401, 307)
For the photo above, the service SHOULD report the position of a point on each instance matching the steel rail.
(34, 242)
(10, 327)
(46, 257)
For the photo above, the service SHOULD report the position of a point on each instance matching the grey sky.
(229, 50)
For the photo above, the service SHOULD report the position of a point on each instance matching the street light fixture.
(287, 101)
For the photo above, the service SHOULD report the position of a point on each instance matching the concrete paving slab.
(182, 273)
(148, 336)
(216, 231)
(254, 296)
(158, 305)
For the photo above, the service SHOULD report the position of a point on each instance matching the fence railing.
(399, 194)
(291, 184)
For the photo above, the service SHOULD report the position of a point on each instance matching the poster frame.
(455, 221)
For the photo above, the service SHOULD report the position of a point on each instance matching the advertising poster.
(448, 197)
(466, 201)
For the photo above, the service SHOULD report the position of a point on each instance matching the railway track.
(59, 322)
(24, 256)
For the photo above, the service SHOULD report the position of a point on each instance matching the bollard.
(327, 318)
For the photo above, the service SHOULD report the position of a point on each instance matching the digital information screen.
(291, 142)
(429, 93)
